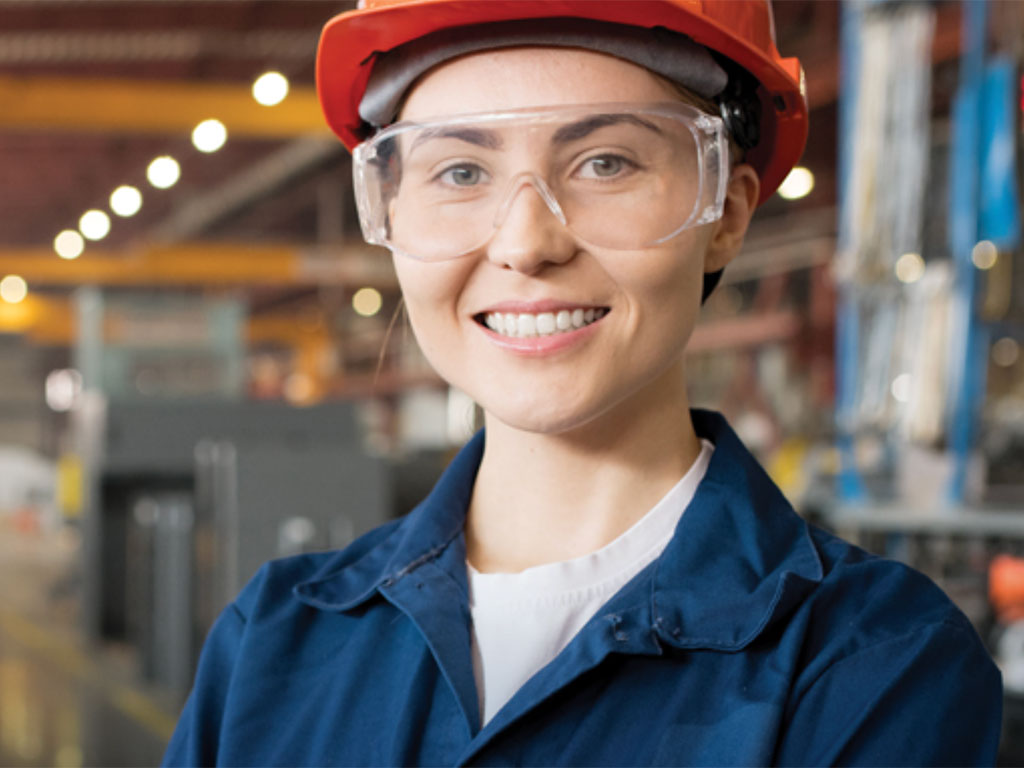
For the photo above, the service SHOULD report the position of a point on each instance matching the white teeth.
(543, 324)
(526, 325)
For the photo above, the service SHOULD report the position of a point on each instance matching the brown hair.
(709, 106)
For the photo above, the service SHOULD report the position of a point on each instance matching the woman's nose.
(530, 230)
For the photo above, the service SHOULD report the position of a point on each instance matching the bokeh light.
(901, 387)
(270, 88)
(985, 254)
(1005, 352)
(209, 135)
(797, 184)
(163, 172)
(13, 289)
(62, 389)
(94, 224)
(125, 200)
(367, 301)
(299, 389)
(69, 244)
(909, 268)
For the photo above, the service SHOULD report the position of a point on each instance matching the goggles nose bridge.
(525, 179)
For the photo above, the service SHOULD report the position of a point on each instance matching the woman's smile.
(541, 333)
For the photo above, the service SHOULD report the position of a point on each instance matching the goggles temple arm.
(740, 108)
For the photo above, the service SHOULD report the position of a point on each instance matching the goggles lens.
(618, 176)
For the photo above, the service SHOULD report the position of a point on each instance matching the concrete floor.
(62, 703)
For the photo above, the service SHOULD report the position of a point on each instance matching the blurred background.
(198, 369)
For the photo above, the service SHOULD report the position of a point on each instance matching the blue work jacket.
(753, 639)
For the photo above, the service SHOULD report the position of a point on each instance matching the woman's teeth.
(544, 324)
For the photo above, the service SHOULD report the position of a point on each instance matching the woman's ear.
(740, 201)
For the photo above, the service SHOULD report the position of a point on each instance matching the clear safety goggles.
(618, 176)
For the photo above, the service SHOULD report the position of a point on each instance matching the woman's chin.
(540, 418)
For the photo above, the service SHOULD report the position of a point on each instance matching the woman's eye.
(462, 175)
(604, 167)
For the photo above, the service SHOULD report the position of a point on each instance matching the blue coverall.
(753, 639)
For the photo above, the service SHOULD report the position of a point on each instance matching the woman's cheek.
(434, 322)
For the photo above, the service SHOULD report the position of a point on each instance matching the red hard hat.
(740, 30)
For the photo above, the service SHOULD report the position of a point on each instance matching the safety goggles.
(618, 176)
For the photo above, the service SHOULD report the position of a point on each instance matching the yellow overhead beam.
(49, 321)
(33, 312)
(151, 107)
(205, 264)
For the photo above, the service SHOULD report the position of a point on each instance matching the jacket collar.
(739, 560)
(345, 582)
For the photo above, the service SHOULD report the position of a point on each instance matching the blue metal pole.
(968, 338)
(849, 487)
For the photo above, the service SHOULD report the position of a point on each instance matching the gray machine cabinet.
(186, 499)
(258, 501)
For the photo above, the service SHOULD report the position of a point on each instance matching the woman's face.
(534, 266)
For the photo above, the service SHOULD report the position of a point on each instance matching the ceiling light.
(909, 268)
(985, 254)
(209, 135)
(797, 184)
(367, 301)
(163, 172)
(69, 244)
(94, 224)
(270, 88)
(125, 200)
(13, 289)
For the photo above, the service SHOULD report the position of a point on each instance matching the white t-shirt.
(521, 621)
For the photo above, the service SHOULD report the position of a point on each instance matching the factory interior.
(203, 366)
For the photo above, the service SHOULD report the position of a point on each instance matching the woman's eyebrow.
(478, 136)
(581, 128)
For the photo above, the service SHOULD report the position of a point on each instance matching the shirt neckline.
(641, 542)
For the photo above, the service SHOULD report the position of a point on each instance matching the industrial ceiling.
(92, 90)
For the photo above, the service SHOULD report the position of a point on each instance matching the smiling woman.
(536, 240)
(603, 575)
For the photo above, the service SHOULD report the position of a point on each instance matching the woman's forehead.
(517, 78)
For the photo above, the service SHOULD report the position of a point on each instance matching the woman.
(602, 576)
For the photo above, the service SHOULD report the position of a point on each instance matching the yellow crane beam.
(205, 264)
(151, 107)
(50, 321)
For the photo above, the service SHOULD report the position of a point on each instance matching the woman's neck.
(541, 498)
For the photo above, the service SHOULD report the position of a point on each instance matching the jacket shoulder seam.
(915, 632)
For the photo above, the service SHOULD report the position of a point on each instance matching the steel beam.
(50, 321)
(206, 264)
(151, 107)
